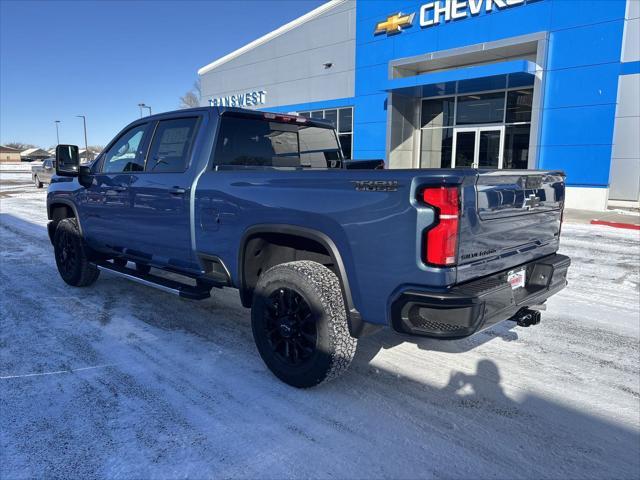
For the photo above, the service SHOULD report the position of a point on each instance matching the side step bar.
(164, 284)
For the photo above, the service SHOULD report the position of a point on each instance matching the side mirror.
(67, 160)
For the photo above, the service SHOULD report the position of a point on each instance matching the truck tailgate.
(509, 218)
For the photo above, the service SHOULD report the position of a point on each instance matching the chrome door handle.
(177, 191)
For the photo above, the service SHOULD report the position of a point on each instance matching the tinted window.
(126, 154)
(480, 108)
(261, 143)
(519, 104)
(318, 146)
(438, 112)
(346, 120)
(345, 143)
(171, 145)
(516, 146)
(332, 116)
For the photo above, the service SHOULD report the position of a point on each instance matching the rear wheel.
(72, 255)
(300, 325)
(37, 182)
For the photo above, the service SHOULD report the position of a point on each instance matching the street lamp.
(142, 105)
(57, 132)
(86, 145)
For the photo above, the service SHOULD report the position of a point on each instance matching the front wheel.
(299, 323)
(37, 182)
(72, 255)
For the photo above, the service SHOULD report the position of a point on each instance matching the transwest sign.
(246, 99)
(434, 13)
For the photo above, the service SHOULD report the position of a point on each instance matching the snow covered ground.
(122, 381)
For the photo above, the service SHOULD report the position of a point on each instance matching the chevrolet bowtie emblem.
(394, 24)
(532, 202)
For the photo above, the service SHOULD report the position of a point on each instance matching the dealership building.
(508, 84)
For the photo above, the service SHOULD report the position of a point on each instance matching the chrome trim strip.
(140, 280)
(192, 208)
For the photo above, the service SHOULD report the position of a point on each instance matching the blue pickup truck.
(322, 250)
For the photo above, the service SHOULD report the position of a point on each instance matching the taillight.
(441, 240)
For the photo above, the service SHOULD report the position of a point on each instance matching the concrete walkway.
(618, 216)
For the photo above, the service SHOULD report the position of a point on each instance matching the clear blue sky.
(100, 59)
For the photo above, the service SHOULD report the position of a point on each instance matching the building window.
(441, 118)
(480, 108)
(342, 120)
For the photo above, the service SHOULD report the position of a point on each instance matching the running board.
(164, 284)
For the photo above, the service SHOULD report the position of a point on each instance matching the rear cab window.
(246, 142)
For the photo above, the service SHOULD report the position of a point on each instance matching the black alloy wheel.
(66, 254)
(290, 326)
(72, 255)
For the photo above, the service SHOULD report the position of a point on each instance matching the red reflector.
(442, 239)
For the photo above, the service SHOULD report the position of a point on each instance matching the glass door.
(478, 147)
(464, 148)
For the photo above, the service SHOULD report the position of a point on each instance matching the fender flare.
(68, 203)
(357, 326)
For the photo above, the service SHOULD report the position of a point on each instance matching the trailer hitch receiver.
(525, 317)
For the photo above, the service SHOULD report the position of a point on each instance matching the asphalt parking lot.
(122, 381)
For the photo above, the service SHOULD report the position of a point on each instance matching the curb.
(628, 226)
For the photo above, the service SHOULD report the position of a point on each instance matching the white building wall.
(624, 179)
(291, 66)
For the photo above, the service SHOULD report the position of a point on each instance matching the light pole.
(142, 105)
(86, 145)
(57, 132)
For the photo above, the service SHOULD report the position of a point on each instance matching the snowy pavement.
(122, 381)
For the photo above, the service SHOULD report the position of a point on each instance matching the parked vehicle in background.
(42, 173)
(322, 253)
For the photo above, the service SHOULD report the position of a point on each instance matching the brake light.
(284, 118)
(441, 240)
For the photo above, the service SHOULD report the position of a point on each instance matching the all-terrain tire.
(315, 289)
(37, 182)
(72, 255)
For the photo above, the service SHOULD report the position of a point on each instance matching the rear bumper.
(468, 308)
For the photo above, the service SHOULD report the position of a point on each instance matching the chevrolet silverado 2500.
(321, 252)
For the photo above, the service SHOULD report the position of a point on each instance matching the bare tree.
(192, 97)
(96, 149)
(19, 145)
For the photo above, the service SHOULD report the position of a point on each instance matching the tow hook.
(525, 317)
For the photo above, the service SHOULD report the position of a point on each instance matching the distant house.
(31, 154)
(93, 153)
(9, 155)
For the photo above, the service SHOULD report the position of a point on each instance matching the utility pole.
(86, 145)
(57, 131)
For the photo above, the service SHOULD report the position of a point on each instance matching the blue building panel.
(567, 14)
(578, 77)
(580, 74)
(581, 126)
(585, 165)
(570, 87)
